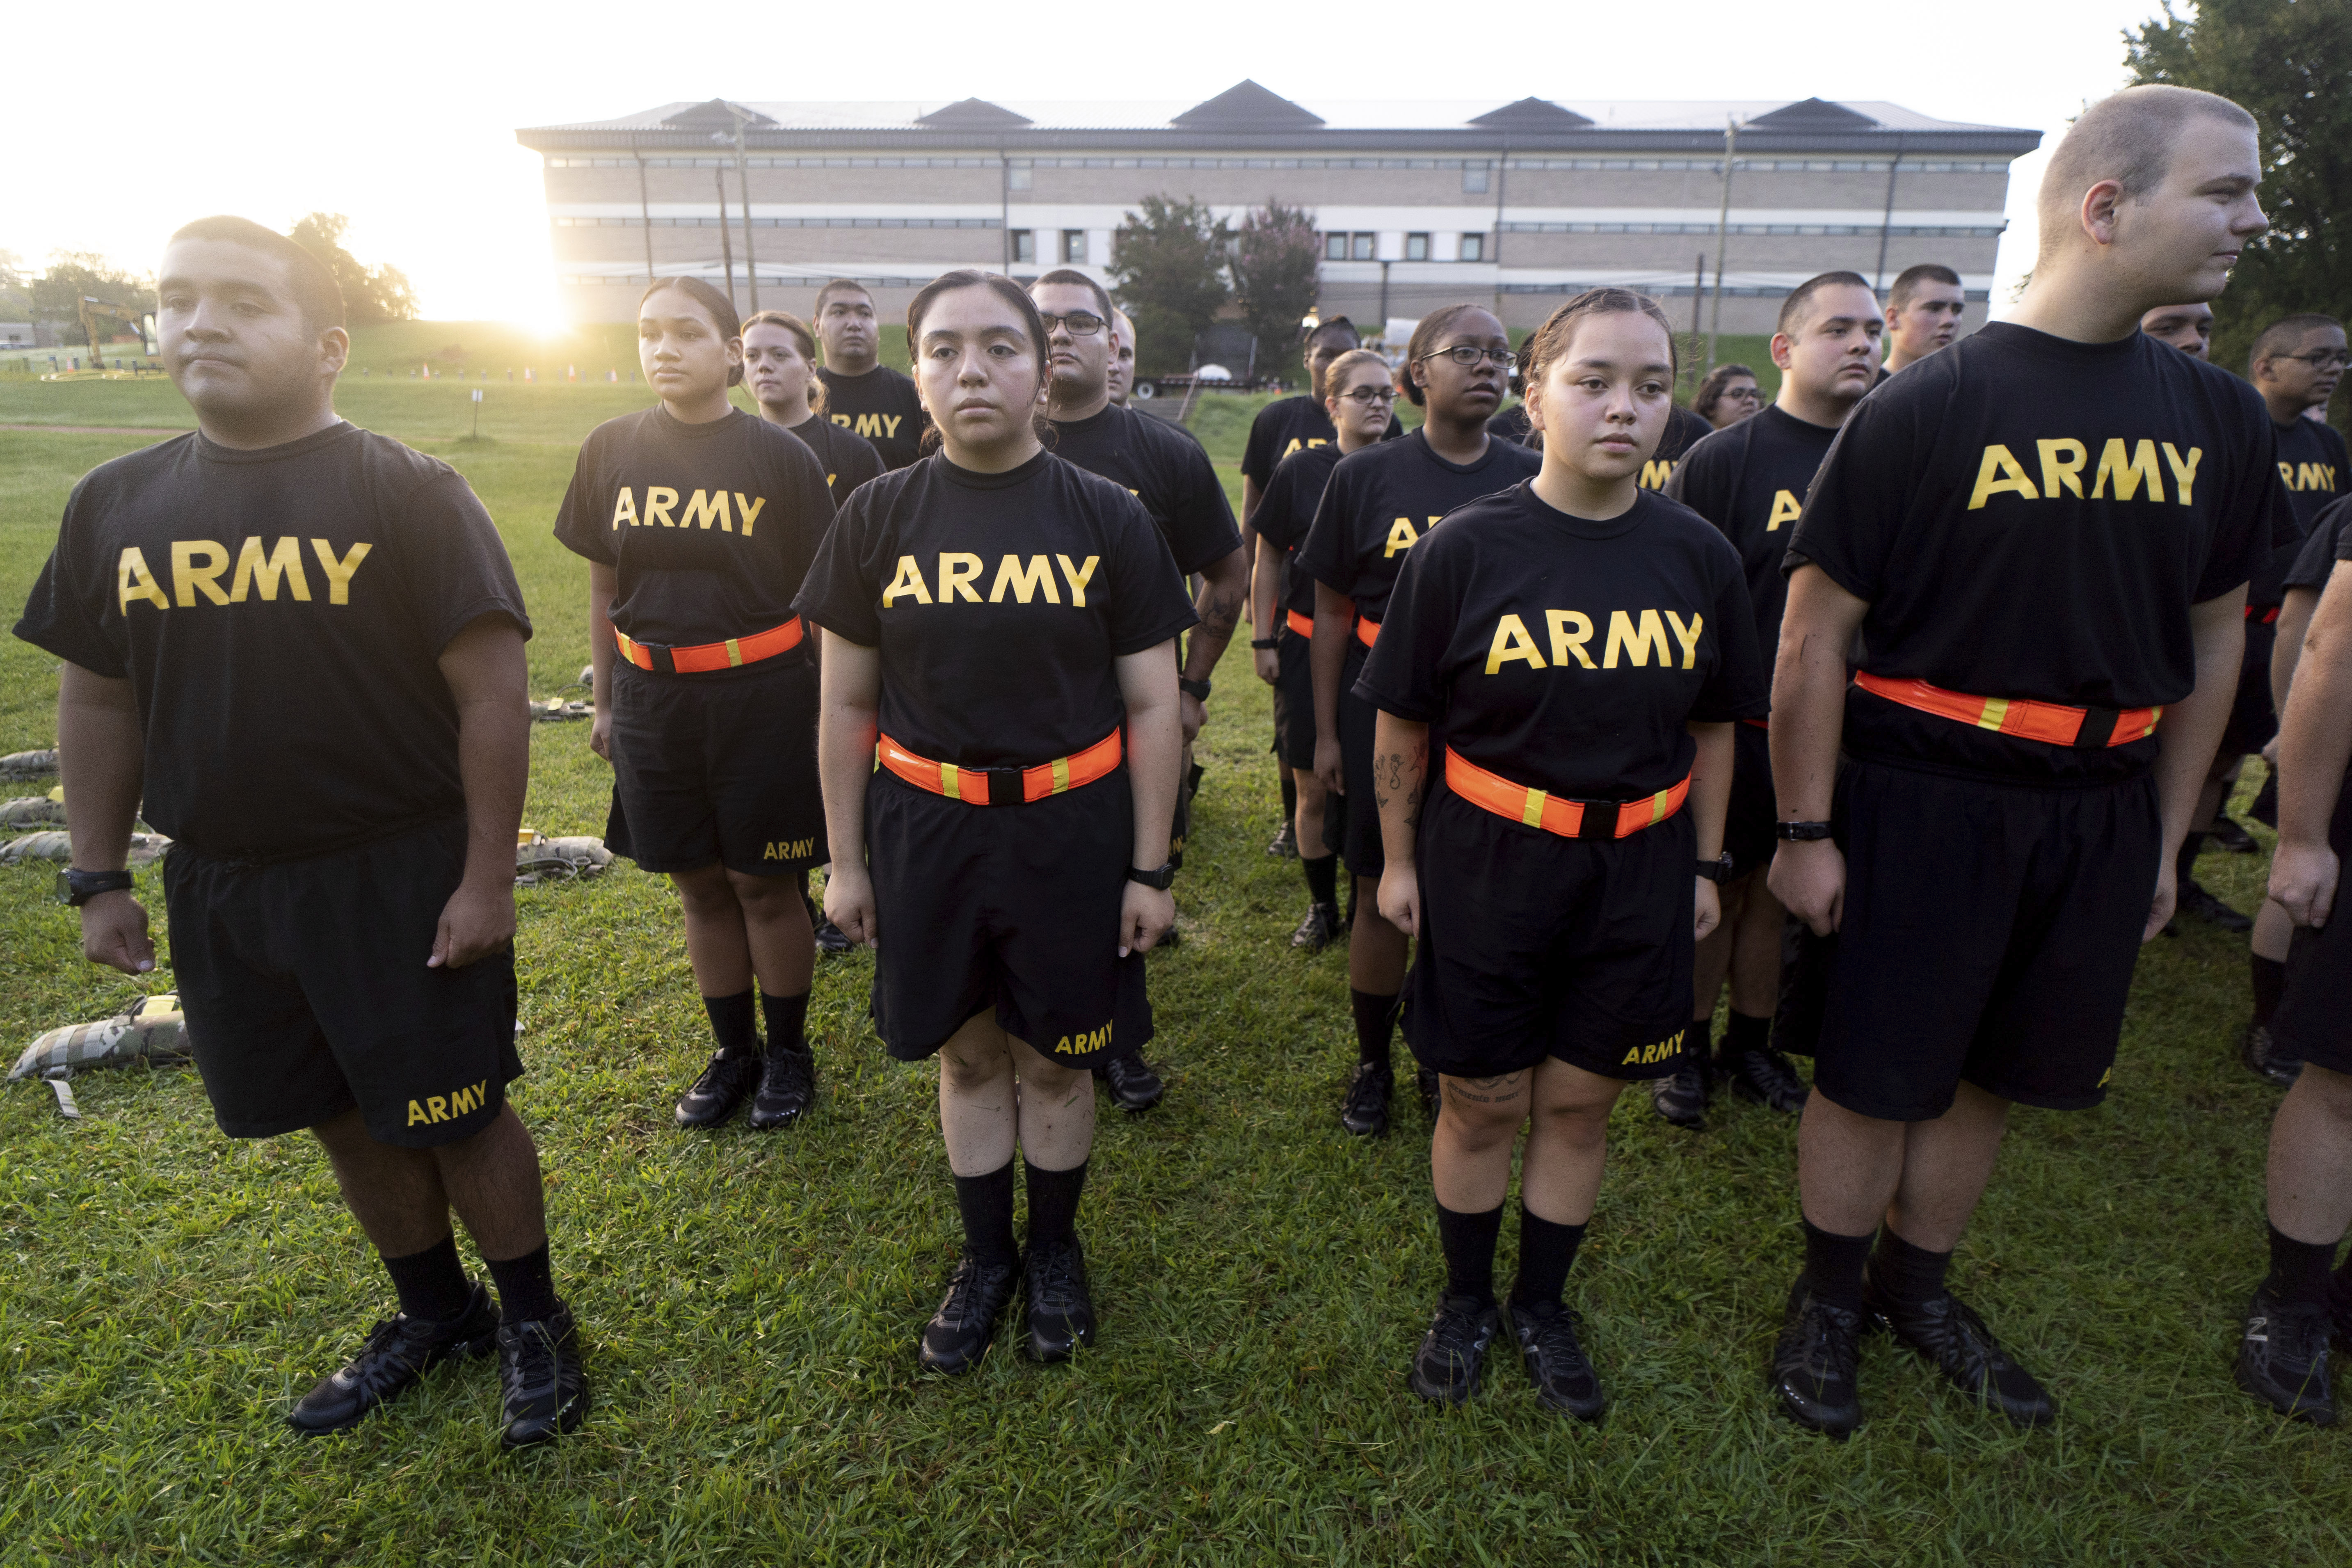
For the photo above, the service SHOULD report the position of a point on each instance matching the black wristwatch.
(1160, 881)
(76, 888)
(1717, 870)
(1268, 643)
(1197, 690)
(1802, 832)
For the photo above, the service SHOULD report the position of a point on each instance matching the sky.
(403, 118)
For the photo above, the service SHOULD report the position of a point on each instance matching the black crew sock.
(526, 1287)
(1289, 800)
(1834, 1264)
(1910, 1274)
(432, 1284)
(1322, 878)
(787, 1020)
(1547, 1252)
(733, 1023)
(1469, 1243)
(1745, 1034)
(986, 1205)
(2184, 869)
(2269, 985)
(2339, 1294)
(1375, 1019)
(2299, 1270)
(1054, 1204)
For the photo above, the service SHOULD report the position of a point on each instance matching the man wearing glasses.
(1167, 470)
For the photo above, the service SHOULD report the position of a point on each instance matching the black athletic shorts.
(2314, 1020)
(1990, 933)
(1750, 822)
(1533, 945)
(2252, 718)
(1294, 702)
(307, 993)
(1010, 907)
(1351, 825)
(718, 766)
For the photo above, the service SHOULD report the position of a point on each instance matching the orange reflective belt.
(1758, 723)
(1367, 630)
(2269, 617)
(2052, 723)
(995, 786)
(1558, 813)
(1303, 624)
(709, 656)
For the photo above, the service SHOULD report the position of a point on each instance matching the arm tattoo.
(1388, 785)
(1221, 611)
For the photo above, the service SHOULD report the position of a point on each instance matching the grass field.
(750, 1302)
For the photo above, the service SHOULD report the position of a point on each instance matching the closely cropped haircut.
(1797, 309)
(1710, 391)
(801, 335)
(1907, 282)
(2286, 334)
(840, 285)
(1336, 374)
(1550, 342)
(1424, 341)
(714, 304)
(2127, 137)
(1332, 324)
(1004, 289)
(314, 289)
(1077, 279)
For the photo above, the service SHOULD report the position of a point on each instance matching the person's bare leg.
(977, 1096)
(1375, 950)
(493, 1182)
(2271, 931)
(1056, 1109)
(395, 1193)
(1946, 1163)
(1307, 824)
(1848, 1166)
(1568, 1143)
(1470, 1154)
(2309, 1180)
(716, 944)
(779, 941)
(1756, 928)
(1711, 960)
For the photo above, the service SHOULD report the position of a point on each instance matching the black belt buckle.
(2098, 728)
(1004, 786)
(1599, 820)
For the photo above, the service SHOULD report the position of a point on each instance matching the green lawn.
(750, 1303)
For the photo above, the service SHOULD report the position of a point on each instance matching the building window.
(1417, 248)
(1335, 248)
(1473, 178)
(1025, 245)
(1017, 177)
(1074, 246)
(1360, 248)
(1473, 248)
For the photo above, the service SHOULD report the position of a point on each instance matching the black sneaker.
(725, 1084)
(2197, 900)
(1133, 1085)
(1366, 1112)
(1286, 843)
(2282, 1359)
(1949, 1333)
(1555, 1359)
(544, 1386)
(2229, 834)
(397, 1353)
(1445, 1368)
(1426, 1081)
(1318, 929)
(1765, 1076)
(1061, 1311)
(787, 1088)
(1816, 1362)
(2265, 1059)
(1681, 1097)
(959, 1333)
(830, 939)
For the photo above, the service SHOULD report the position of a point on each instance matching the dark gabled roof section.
(1812, 114)
(718, 114)
(1532, 114)
(1246, 106)
(972, 114)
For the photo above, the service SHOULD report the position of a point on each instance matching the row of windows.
(1069, 245)
(1767, 165)
(1914, 230)
(777, 163)
(767, 280)
(1018, 165)
(1663, 292)
(733, 222)
(1359, 245)
(1684, 291)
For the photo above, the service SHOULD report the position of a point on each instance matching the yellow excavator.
(93, 310)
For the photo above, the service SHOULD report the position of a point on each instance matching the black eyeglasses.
(1368, 395)
(1742, 393)
(1467, 354)
(1081, 323)
(2327, 359)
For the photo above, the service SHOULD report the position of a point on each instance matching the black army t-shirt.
(1381, 500)
(279, 615)
(2330, 533)
(710, 527)
(2033, 517)
(1166, 471)
(1568, 654)
(1749, 479)
(1684, 431)
(848, 461)
(2313, 469)
(879, 406)
(999, 602)
(1511, 424)
(1288, 424)
(1287, 511)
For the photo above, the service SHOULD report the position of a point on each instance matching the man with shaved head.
(2189, 328)
(1923, 313)
(1122, 359)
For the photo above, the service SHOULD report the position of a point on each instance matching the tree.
(1277, 259)
(58, 293)
(371, 294)
(2289, 63)
(1170, 266)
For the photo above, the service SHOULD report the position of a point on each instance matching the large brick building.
(1518, 203)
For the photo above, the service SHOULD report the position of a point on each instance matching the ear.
(334, 350)
(1784, 350)
(1531, 398)
(2101, 204)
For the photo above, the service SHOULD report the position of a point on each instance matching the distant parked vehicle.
(1208, 378)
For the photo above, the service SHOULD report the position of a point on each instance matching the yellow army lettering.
(789, 850)
(2308, 475)
(2127, 468)
(958, 572)
(199, 564)
(702, 508)
(1786, 507)
(452, 1107)
(871, 427)
(1403, 536)
(1635, 637)
(1662, 1050)
(1656, 472)
(1296, 443)
(1078, 1045)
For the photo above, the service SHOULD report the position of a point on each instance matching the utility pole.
(1886, 223)
(646, 214)
(743, 187)
(1722, 236)
(726, 244)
